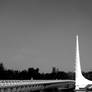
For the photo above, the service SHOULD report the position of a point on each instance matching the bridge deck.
(33, 85)
(6, 83)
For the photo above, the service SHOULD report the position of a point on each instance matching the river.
(60, 91)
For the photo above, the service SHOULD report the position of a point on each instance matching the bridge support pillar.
(9, 90)
(86, 90)
(18, 89)
(1, 90)
(14, 90)
(41, 90)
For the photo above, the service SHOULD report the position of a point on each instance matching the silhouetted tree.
(34, 73)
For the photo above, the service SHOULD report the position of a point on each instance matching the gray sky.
(41, 33)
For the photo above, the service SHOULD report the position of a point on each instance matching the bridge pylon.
(80, 80)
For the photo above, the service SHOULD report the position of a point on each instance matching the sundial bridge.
(80, 81)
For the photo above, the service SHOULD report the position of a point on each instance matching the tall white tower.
(80, 80)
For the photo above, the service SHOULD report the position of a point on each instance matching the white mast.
(80, 80)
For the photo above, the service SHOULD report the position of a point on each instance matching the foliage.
(31, 73)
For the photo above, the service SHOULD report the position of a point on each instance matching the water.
(83, 91)
(62, 91)
(66, 91)
(54, 91)
(57, 91)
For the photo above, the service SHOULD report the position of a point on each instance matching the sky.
(41, 33)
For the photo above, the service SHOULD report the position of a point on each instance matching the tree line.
(31, 73)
